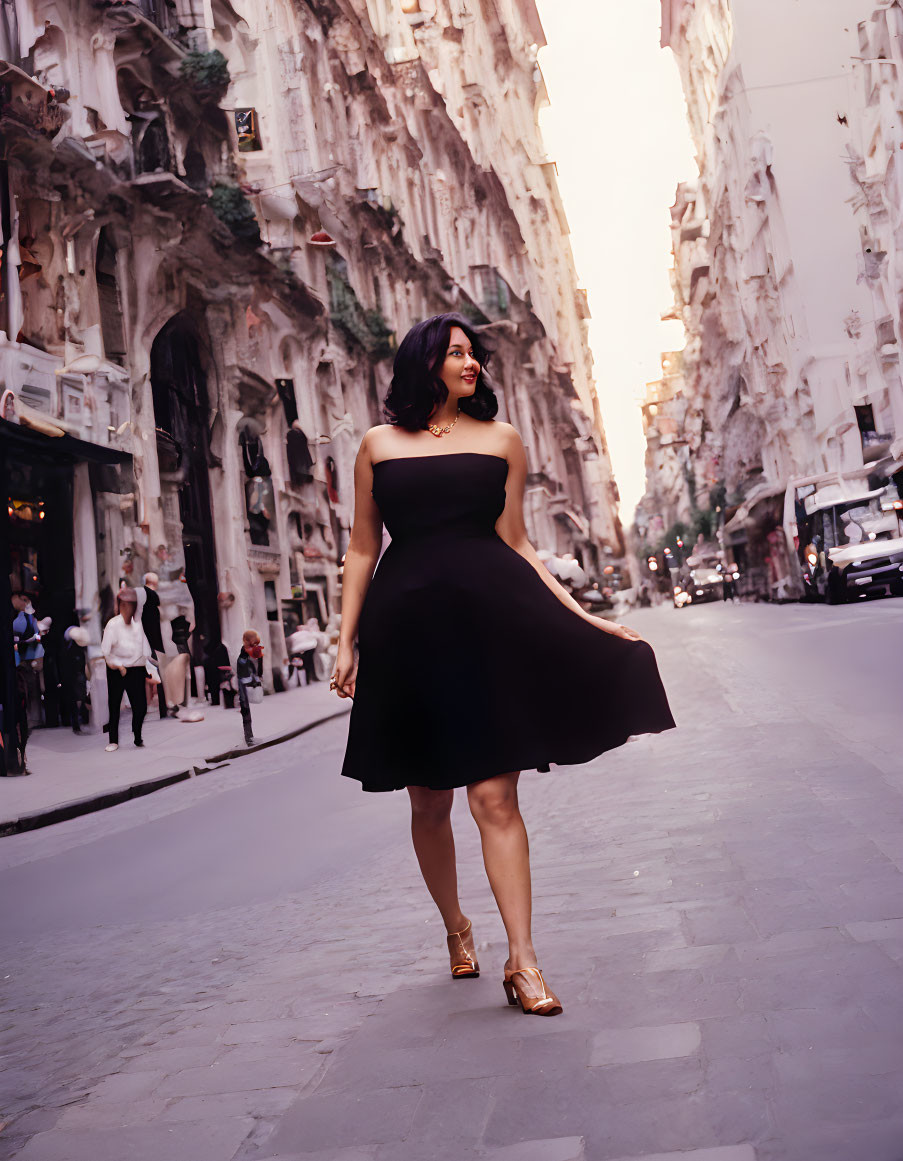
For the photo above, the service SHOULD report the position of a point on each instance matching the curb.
(103, 799)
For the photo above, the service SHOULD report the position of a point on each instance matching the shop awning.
(579, 523)
(761, 492)
(29, 445)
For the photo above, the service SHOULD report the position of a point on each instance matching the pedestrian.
(179, 681)
(29, 654)
(249, 670)
(73, 662)
(127, 652)
(181, 629)
(473, 662)
(149, 602)
(302, 646)
(217, 670)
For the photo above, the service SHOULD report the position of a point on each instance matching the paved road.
(245, 966)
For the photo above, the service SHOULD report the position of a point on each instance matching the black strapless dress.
(468, 664)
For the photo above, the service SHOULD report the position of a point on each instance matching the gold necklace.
(440, 431)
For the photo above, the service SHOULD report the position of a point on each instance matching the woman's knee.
(493, 802)
(430, 806)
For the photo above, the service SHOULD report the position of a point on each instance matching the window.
(248, 129)
(108, 295)
(272, 602)
(286, 391)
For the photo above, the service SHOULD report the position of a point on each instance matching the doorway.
(181, 414)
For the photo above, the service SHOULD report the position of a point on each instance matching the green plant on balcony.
(207, 73)
(382, 334)
(233, 209)
(472, 312)
(366, 327)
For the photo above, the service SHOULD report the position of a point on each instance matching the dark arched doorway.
(181, 416)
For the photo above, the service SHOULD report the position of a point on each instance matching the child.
(248, 670)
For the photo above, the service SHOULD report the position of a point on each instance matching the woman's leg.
(136, 688)
(434, 845)
(506, 854)
(115, 688)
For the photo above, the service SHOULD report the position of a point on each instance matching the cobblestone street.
(247, 966)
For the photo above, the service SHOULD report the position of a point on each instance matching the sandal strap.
(542, 982)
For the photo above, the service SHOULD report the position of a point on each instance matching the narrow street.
(246, 965)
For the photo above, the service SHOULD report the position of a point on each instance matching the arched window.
(111, 325)
(300, 461)
(260, 500)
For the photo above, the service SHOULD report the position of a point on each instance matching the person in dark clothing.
(180, 627)
(150, 622)
(150, 614)
(73, 678)
(217, 670)
(248, 670)
(29, 654)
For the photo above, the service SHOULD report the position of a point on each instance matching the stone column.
(87, 588)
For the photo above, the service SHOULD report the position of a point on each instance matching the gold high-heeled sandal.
(463, 963)
(526, 985)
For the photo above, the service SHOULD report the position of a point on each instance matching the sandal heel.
(527, 986)
(464, 964)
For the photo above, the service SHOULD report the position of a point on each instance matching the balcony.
(28, 105)
(368, 328)
(161, 14)
(493, 294)
(88, 399)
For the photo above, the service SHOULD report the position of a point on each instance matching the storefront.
(754, 541)
(48, 541)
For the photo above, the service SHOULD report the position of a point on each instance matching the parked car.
(847, 537)
(696, 587)
(874, 568)
(705, 585)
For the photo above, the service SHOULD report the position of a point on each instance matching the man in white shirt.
(126, 651)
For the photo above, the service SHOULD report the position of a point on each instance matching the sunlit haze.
(616, 127)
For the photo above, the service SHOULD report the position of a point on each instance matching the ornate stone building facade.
(217, 219)
(668, 499)
(789, 369)
(877, 201)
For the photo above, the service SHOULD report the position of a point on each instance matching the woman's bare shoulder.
(372, 437)
(506, 433)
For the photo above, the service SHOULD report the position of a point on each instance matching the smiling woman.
(473, 662)
(440, 358)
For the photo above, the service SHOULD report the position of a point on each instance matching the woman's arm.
(511, 528)
(108, 643)
(360, 560)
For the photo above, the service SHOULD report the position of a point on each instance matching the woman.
(454, 631)
(249, 672)
(127, 653)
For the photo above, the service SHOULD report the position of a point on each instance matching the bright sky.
(617, 129)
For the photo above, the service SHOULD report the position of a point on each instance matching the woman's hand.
(617, 630)
(345, 674)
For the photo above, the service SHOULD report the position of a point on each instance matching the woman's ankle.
(521, 957)
(456, 924)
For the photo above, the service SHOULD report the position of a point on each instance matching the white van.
(846, 537)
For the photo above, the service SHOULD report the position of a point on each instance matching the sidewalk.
(71, 774)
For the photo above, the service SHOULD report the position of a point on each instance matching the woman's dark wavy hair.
(416, 388)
